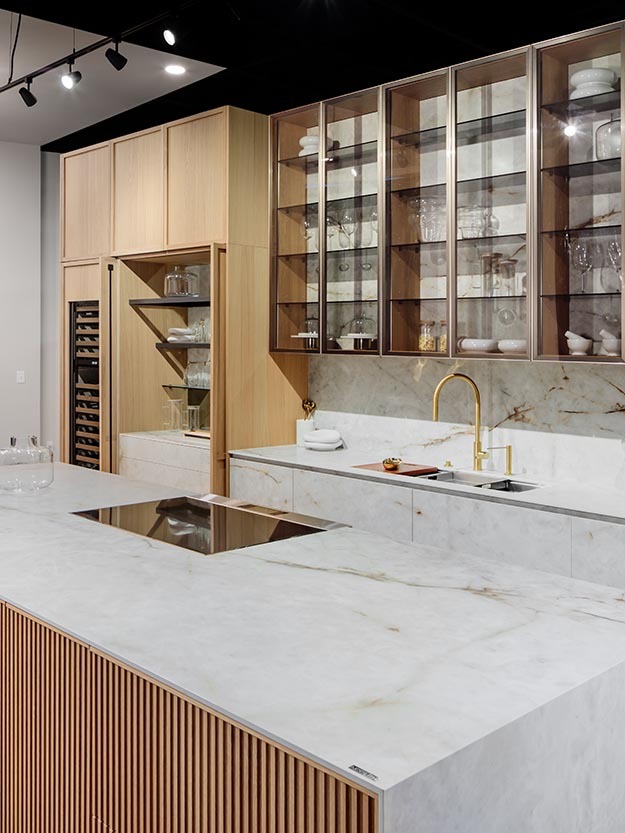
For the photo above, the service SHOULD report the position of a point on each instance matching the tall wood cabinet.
(193, 192)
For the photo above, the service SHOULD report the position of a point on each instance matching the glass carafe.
(25, 466)
(181, 282)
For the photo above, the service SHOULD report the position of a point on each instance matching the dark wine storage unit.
(85, 384)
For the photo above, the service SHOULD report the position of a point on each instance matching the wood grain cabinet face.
(87, 745)
(86, 208)
(138, 193)
(196, 181)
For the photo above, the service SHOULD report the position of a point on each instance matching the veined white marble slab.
(583, 500)
(344, 645)
(76, 489)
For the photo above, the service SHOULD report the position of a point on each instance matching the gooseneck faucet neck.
(478, 453)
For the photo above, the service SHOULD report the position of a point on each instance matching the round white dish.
(579, 346)
(309, 139)
(323, 435)
(478, 345)
(591, 89)
(513, 345)
(594, 75)
(323, 446)
(612, 346)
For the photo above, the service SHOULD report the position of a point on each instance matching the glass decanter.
(25, 466)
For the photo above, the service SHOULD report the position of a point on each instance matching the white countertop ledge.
(346, 646)
(569, 498)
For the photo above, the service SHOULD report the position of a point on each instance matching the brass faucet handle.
(508, 450)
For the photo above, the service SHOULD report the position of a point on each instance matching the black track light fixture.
(115, 58)
(28, 98)
(71, 77)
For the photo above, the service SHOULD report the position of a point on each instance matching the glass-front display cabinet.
(350, 183)
(580, 205)
(416, 218)
(296, 259)
(491, 207)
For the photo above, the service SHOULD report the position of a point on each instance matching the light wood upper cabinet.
(86, 210)
(138, 193)
(196, 181)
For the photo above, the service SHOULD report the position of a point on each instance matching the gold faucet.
(478, 453)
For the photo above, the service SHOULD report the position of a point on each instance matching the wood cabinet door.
(86, 204)
(196, 181)
(138, 193)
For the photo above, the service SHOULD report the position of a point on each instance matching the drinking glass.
(193, 417)
(583, 260)
(616, 259)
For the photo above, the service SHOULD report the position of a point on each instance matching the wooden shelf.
(181, 301)
(186, 387)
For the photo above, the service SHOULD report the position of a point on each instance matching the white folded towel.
(325, 436)
(323, 446)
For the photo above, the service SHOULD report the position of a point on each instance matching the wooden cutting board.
(408, 469)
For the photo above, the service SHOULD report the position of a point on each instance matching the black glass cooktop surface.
(208, 525)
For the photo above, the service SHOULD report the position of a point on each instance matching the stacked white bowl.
(324, 439)
(592, 82)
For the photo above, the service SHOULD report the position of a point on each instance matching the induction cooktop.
(207, 525)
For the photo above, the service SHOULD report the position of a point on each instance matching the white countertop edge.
(344, 773)
(533, 499)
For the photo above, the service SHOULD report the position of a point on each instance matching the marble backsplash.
(549, 397)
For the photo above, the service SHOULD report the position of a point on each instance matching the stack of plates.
(323, 440)
(181, 334)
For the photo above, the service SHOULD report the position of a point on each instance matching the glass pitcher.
(25, 466)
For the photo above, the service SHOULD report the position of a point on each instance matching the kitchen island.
(459, 694)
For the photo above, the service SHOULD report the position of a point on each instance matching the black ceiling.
(281, 54)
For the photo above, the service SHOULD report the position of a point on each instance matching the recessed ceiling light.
(169, 36)
(175, 69)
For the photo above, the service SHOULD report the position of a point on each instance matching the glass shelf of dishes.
(473, 211)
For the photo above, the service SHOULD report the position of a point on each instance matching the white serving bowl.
(309, 141)
(579, 346)
(478, 345)
(513, 345)
(591, 89)
(612, 346)
(596, 75)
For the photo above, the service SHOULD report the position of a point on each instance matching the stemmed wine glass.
(615, 256)
(308, 231)
(347, 227)
(583, 260)
(367, 238)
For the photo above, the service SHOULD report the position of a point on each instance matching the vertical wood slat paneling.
(90, 746)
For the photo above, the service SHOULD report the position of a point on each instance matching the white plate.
(323, 446)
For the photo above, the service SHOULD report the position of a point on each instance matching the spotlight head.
(570, 130)
(28, 98)
(115, 58)
(169, 36)
(71, 78)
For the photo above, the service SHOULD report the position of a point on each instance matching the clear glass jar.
(181, 282)
(427, 340)
(25, 466)
(442, 337)
(608, 139)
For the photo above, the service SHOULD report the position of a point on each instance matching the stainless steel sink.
(481, 481)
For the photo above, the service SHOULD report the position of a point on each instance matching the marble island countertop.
(346, 646)
(568, 497)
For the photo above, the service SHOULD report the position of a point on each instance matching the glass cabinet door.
(351, 224)
(580, 210)
(416, 212)
(296, 264)
(491, 285)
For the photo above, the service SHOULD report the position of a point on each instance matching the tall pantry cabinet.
(192, 192)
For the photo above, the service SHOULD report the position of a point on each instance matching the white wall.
(20, 279)
(50, 299)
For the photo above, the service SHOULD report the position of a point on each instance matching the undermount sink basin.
(482, 481)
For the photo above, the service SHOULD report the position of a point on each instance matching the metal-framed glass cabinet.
(580, 205)
(474, 211)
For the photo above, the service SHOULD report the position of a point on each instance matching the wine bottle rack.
(85, 385)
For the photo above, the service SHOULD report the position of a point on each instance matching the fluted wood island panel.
(86, 744)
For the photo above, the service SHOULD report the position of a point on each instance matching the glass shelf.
(431, 139)
(587, 106)
(180, 345)
(502, 297)
(436, 189)
(583, 231)
(576, 169)
(499, 239)
(489, 128)
(584, 295)
(352, 155)
(509, 188)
